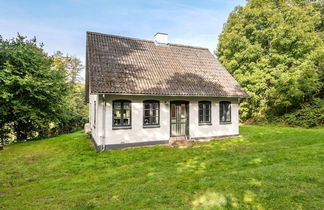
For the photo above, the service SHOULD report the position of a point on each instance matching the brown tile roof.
(122, 65)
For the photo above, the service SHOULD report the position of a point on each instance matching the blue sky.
(61, 24)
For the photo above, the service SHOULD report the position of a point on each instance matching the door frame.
(187, 112)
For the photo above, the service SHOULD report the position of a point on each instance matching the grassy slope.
(269, 167)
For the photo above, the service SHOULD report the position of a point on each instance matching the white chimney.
(161, 38)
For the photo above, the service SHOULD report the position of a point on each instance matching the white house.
(144, 92)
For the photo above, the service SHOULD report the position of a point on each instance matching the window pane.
(155, 120)
(200, 106)
(146, 106)
(228, 112)
(126, 105)
(207, 117)
(183, 110)
(201, 118)
(223, 114)
(117, 105)
(221, 108)
(126, 121)
(117, 114)
(208, 112)
(147, 120)
(126, 113)
(155, 105)
(146, 113)
(116, 121)
(173, 110)
(155, 113)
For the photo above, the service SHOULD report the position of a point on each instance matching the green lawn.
(267, 168)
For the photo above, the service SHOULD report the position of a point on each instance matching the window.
(204, 112)
(151, 114)
(121, 113)
(94, 113)
(225, 111)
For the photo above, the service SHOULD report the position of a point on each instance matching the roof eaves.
(170, 95)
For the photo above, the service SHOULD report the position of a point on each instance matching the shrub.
(310, 115)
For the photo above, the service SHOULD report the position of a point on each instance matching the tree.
(272, 48)
(72, 65)
(76, 113)
(319, 6)
(32, 92)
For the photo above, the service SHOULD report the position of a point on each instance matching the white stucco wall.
(216, 128)
(138, 133)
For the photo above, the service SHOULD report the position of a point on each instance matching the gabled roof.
(122, 65)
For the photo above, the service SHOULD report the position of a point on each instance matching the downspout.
(103, 124)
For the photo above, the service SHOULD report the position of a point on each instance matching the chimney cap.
(161, 38)
(160, 33)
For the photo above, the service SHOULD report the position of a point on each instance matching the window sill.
(202, 124)
(151, 126)
(225, 123)
(121, 127)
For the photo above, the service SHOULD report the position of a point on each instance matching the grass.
(267, 168)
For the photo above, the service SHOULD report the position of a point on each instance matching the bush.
(308, 116)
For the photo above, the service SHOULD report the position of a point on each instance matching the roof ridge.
(145, 40)
(118, 36)
(189, 46)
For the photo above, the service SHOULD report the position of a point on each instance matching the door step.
(179, 141)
